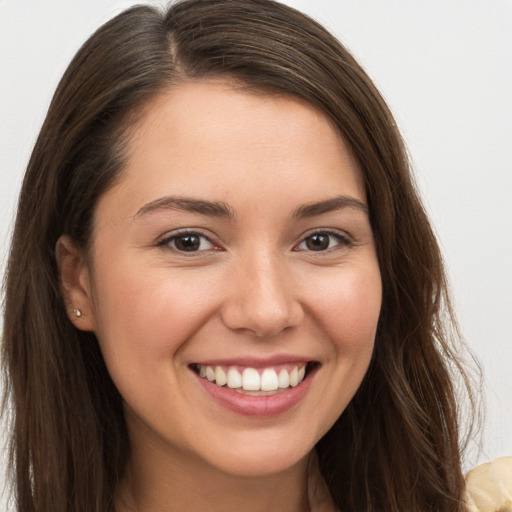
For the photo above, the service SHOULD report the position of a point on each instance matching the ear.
(75, 284)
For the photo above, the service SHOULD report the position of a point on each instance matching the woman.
(223, 292)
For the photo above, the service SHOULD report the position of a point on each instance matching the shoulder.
(489, 486)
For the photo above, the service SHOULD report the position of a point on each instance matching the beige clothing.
(489, 486)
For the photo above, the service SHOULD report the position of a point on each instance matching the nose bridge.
(262, 298)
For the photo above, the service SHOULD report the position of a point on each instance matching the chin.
(258, 467)
(261, 456)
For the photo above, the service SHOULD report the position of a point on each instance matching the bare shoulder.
(489, 486)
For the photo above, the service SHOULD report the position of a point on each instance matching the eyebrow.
(329, 205)
(220, 209)
(209, 208)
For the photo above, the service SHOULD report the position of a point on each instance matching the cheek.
(146, 315)
(345, 308)
(348, 308)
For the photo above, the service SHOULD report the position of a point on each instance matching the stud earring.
(77, 312)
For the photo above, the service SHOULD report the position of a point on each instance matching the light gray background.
(446, 70)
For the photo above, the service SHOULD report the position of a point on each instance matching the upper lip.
(256, 362)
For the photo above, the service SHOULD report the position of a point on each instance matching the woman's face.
(236, 250)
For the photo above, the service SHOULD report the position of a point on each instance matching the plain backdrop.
(445, 69)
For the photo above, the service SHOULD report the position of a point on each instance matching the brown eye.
(187, 242)
(318, 242)
(323, 241)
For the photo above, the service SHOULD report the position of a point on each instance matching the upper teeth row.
(250, 378)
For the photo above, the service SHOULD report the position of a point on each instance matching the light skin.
(281, 262)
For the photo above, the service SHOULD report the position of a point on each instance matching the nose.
(261, 298)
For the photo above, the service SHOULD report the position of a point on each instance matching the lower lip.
(250, 405)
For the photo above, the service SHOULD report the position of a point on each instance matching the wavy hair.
(396, 446)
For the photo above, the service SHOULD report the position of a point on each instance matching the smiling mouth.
(255, 381)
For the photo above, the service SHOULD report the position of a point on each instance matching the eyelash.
(342, 241)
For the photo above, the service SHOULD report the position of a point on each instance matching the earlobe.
(74, 282)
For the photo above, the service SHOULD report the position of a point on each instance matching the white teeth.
(250, 378)
(210, 373)
(284, 379)
(234, 378)
(269, 380)
(294, 377)
(220, 376)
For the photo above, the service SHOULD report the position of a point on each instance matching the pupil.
(318, 242)
(188, 243)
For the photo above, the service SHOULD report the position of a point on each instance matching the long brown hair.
(396, 446)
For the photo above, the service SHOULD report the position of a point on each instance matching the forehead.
(217, 141)
(193, 108)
